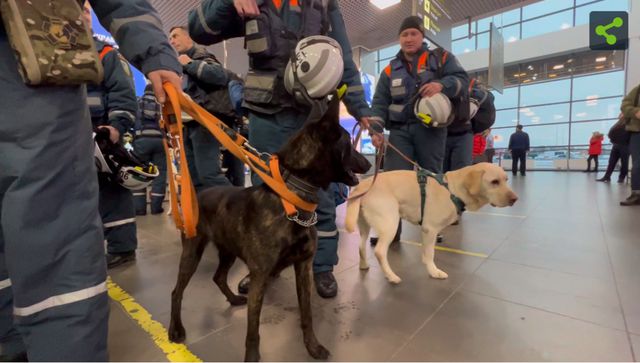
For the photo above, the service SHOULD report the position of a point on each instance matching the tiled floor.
(561, 282)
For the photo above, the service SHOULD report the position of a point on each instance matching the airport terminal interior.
(553, 277)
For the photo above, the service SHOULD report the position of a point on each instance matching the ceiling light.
(552, 75)
(467, 50)
(516, 75)
(581, 114)
(558, 66)
(570, 60)
(525, 110)
(558, 117)
(592, 97)
(565, 26)
(529, 114)
(599, 67)
(530, 67)
(383, 4)
(511, 39)
(601, 59)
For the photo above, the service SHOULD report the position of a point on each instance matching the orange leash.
(184, 202)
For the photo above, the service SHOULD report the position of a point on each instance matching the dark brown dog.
(251, 224)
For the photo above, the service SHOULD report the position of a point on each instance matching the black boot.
(605, 179)
(634, 199)
(117, 259)
(326, 284)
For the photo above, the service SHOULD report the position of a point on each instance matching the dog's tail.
(353, 206)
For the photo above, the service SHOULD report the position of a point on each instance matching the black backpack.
(486, 115)
(459, 104)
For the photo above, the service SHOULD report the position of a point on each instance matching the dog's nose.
(513, 199)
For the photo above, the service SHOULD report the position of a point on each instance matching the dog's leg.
(191, 254)
(220, 278)
(303, 286)
(386, 231)
(256, 295)
(364, 228)
(429, 244)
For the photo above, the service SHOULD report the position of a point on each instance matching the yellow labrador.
(396, 194)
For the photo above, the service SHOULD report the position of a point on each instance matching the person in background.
(479, 147)
(595, 149)
(631, 113)
(148, 146)
(519, 146)
(619, 138)
(489, 152)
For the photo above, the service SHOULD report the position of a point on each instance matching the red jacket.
(595, 145)
(479, 144)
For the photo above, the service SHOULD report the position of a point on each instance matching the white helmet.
(434, 111)
(318, 65)
(137, 177)
(122, 166)
(473, 107)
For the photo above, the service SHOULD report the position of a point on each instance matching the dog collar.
(306, 218)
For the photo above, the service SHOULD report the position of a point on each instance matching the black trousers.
(519, 156)
(595, 159)
(618, 152)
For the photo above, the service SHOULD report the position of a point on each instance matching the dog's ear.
(473, 182)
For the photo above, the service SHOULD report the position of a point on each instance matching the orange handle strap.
(176, 103)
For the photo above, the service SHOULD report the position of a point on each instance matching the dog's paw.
(177, 334)
(394, 279)
(438, 274)
(364, 266)
(238, 300)
(318, 352)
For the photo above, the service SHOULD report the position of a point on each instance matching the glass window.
(545, 7)
(483, 24)
(501, 137)
(510, 17)
(544, 114)
(511, 33)
(596, 109)
(463, 45)
(547, 92)
(508, 98)
(547, 24)
(581, 131)
(582, 12)
(460, 31)
(506, 118)
(598, 86)
(483, 41)
(548, 135)
(388, 52)
(580, 2)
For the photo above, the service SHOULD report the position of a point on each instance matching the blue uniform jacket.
(216, 20)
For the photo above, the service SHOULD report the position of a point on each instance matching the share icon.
(608, 30)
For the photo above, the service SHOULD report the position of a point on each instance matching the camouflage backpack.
(52, 43)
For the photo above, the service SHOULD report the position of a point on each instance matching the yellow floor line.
(175, 352)
(447, 249)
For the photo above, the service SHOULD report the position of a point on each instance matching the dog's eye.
(495, 182)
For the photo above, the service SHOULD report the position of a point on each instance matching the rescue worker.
(53, 295)
(206, 81)
(412, 75)
(113, 106)
(273, 28)
(148, 146)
